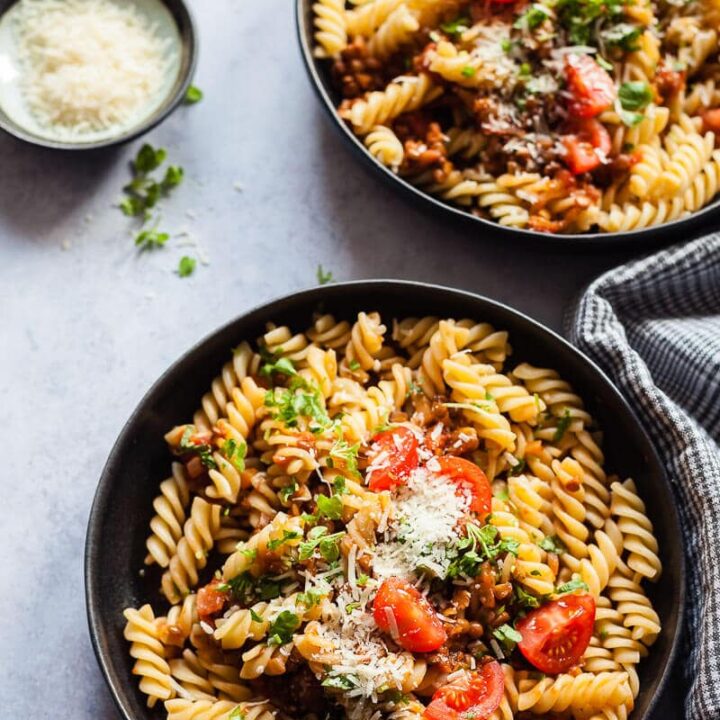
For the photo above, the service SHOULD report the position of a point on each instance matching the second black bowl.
(318, 70)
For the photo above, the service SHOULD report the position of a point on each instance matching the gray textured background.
(88, 324)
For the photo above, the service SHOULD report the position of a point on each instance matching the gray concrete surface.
(87, 324)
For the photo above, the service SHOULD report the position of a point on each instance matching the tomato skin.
(419, 628)
(467, 474)
(401, 445)
(592, 88)
(475, 695)
(587, 143)
(556, 635)
(210, 600)
(711, 120)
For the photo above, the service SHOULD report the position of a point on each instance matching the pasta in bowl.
(391, 518)
(559, 117)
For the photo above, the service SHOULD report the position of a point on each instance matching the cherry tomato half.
(474, 695)
(587, 143)
(466, 474)
(593, 90)
(711, 120)
(397, 456)
(556, 635)
(210, 600)
(418, 627)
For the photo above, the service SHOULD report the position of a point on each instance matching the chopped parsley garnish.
(301, 399)
(308, 599)
(635, 95)
(186, 266)
(572, 586)
(354, 365)
(151, 239)
(345, 453)
(193, 95)
(524, 599)
(287, 535)
(329, 507)
(340, 682)
(518, 467)
(508, 637)
(506, 44)
(282, 628)
(580, 18)
(362, 580)
(287, 492)
(326, 544)
(282, 365)
(622, 35)
(533, 17)
(455, 27)
(480, 544)
(468, 71)
(502, 494)
(235, 452)
(562, 426)
(553, 544)
(255, 617)
(202, 450)
(352, 606)
(144, 191)
(246, 587)
(339, 485)
(324, 277)
(237, 714)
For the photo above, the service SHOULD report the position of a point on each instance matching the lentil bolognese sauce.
(406, 524)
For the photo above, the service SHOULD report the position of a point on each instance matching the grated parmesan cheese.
(423, 529)
(88, 65)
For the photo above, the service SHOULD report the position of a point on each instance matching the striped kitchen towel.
(653, 326)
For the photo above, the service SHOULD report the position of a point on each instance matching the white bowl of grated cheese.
(82, 74)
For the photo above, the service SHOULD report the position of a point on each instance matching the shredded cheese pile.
(88, 65)
(423, 529)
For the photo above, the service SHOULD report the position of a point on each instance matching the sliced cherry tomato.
(711, 120)
(592, 88)
(474, 695)
(587, 143)
(556, 635)
(466, 474)
(399, 604)
(396, 454)
(210, 600)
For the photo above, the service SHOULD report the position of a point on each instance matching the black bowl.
(122, 508)
(704, 220)
(182, 15)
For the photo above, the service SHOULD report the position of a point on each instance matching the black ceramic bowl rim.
(673, 230)
(122, 684)
(185, 21)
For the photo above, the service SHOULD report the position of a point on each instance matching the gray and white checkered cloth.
(653, 325)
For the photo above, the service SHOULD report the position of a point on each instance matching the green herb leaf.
(534, 16)
(635, 95)
(237, 714)
(631, 119)
(329, 507)
(151, 239)
(255, 617)
(508, 637)
(622, 35)
(553, 544)
(235, 453)
(188, 444)
(468, 71)
(287, 535)
(354, 365)
(287, 492)
(173, 177)
(186, 266)
(193, 95)
(340, 682)
(362, 580)
(518, 467)
(572, 586)
(148, 159)
(323, 277)
(283, 365)
(317, 536)
(455, 27)
(525, 599)
(562, 426)
(308, 599)
(282, 628)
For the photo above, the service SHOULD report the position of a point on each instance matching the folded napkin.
(653, 326)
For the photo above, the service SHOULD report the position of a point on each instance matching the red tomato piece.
(556, 635)
(593, 90)
(399, 609)
(588, 143)
(474, 695)
(396, 454)
(711, 120)
(210, 600)
(466, 474)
